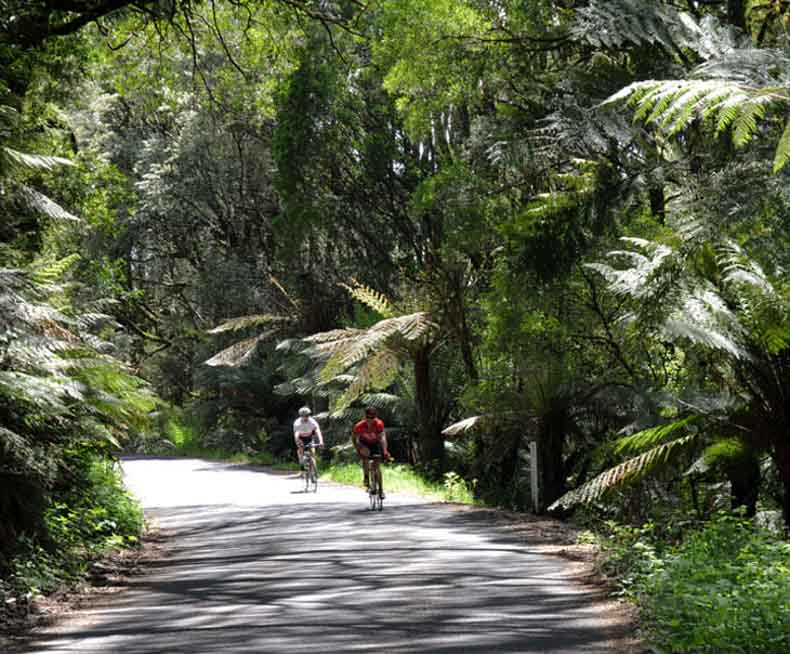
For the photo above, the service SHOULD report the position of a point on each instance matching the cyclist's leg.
(374, 476)
(313, 465)
(364, 460)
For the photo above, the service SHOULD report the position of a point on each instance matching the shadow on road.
(337, 577)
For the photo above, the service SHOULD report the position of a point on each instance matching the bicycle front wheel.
(313, 477)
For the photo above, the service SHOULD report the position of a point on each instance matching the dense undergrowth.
(81, 522)
(724, 587)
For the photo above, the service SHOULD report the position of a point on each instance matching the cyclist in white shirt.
(306, 431)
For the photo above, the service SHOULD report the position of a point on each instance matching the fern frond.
(705, 319)
(411, 327)
(43, 204)
(633, 468)
(244, 322)
(467, 425)
(672, 104)
(18, 159)
(48, 272)
(371, 298)
(378, 372)
(725, 451)
(239, 353)
(618, 23)
(47, 393)
(333, 335)
(650, 437)
(634, 281)
(782, 149)
(738, 268)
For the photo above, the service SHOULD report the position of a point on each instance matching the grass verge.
(404, 479)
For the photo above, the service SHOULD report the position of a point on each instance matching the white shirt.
(307, 427)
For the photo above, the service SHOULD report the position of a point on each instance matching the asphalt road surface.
(255, 565)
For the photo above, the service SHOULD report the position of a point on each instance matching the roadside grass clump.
(83, 521)
(402, 478)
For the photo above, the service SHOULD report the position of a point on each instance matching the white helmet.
(304, 411)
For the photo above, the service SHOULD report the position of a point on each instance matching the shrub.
(82, 520)
(726, 589)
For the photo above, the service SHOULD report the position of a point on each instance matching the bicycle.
(309, 470)
(375, 490)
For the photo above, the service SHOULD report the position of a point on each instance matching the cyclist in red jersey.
(369, 438)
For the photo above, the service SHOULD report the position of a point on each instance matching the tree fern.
(629, 470)
(240, 352)
(378, 372)
(733, 93)
(783, 149)
(371, 298)
(651, 437)
(245, 322)
(14, 161)
(613, 24)
(390, 333)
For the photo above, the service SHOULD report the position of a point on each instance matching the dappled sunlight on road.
(277, 572)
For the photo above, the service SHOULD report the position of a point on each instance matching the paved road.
(253, 565)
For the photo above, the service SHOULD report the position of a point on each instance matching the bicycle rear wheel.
(379, 492)
(373, 492)
(312, 477)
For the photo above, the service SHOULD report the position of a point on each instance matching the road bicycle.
(309, 470)
(375, 490)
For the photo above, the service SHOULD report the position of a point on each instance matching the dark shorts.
(307, 441)
(374, 448)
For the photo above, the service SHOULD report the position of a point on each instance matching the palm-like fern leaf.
(244, 322)
(705, 319)
(10, 158)
(650, 437)
(614, 23)
(371, 298)
(739, 269)
(671, 105)
(636, 280)
(410, 328)
(469, 424)
(783, 149)
(240, 352)
(629, 470)
(45, 205)
(378, 372)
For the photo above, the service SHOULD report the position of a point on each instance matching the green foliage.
(81, 521)
(725, 589)
(404, 479)
(739, 90)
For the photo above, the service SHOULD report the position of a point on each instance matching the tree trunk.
(658, 203)
(745, 477)
(781, 455)
(736, 14)
(431, 441)
(551, 447)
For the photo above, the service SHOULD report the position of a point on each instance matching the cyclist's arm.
(384, 447)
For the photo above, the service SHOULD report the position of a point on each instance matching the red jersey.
(369, 434)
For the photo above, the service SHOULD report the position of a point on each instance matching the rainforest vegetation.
(500, 222)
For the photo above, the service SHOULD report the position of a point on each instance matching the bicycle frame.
(375, 492)
(309, 469)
